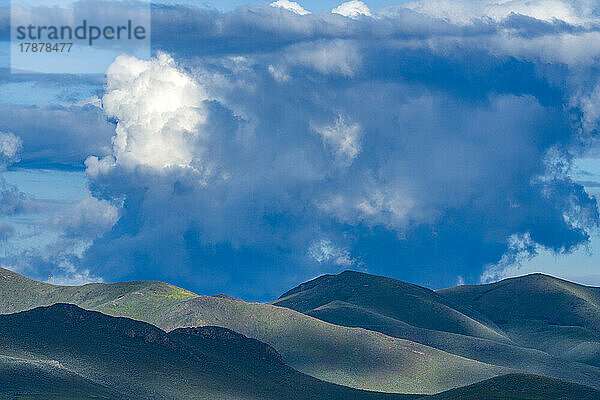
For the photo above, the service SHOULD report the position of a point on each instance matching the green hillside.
(360, 300)
(348, 356)
(419, 352)
(402, 301)
(119, 358)
(63, 352)
(147, 301)
(351, 356)
(542, 312)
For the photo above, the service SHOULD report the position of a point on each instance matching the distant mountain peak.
(347, 277)
(535, 276)
(387, 297)
(350, 272)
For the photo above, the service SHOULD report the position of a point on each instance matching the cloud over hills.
(421, 139)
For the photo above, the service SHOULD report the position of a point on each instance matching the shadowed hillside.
(428, 357)
(402, 301)
(542, 312)
(388, 306)
(520, 387)
(47, 379)
(119, 358)
(63, 352)
(353, 357)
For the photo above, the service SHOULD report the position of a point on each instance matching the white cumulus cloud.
(465, 11)
(159, 110)
(352, 9)
(290, 6)
(431, 111)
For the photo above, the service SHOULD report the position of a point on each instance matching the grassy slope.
(30, 378)
(541, 312)
(380, 304)
(402, 301)
(62, 348)
(491, 352)
(147, 301)
(351, 357)
(139, 361)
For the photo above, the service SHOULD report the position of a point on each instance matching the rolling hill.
(145, 301)
(360, 330)
(541, 312)
(415, 305)
(65, 351)
(353, 357)
(380, 304)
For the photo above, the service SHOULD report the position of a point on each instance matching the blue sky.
(434, 142)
